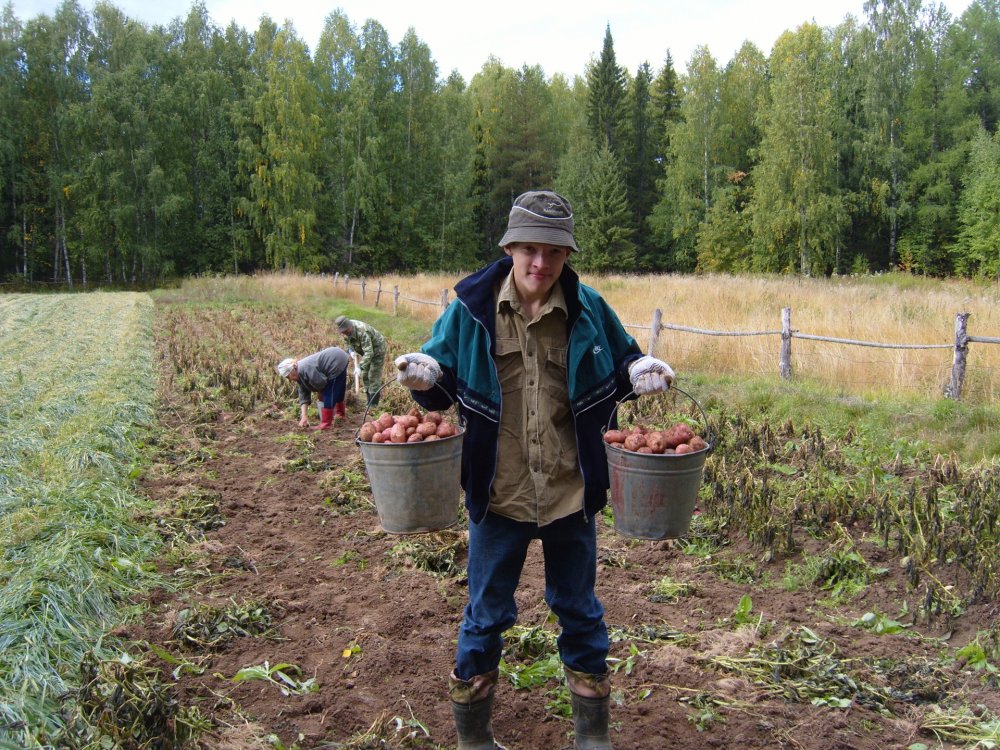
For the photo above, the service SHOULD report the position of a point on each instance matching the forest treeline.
(133, 153)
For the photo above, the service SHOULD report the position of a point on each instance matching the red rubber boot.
(340, 409)
(325, 419)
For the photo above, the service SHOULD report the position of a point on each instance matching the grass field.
(891, 310)
(895, 396)
(78, 384)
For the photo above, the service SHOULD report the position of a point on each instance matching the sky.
(562, 36)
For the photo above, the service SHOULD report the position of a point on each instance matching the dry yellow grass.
(885, 310)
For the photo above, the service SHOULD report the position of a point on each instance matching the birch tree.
(797, 213)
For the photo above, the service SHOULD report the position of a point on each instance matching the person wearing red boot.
(324, 373)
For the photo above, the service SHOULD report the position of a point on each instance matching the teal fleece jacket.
(462, 341)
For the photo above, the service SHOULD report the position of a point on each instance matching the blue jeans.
(497, 550)
(335, 391)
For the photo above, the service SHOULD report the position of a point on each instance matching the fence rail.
(952, 389)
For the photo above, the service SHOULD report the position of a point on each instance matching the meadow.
(887, 309)
(203, 573)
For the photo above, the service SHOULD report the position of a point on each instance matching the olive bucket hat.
(540, 216)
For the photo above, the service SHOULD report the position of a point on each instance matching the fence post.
(444, 300)
(335, 277)
(785, 363)
(346, 283)
(954, 387)
(363, 291)
(654, 331)
(395, 299)
(378, 292)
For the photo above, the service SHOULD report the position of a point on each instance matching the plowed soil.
(357, 611)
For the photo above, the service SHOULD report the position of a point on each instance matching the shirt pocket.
(555, 363)
(510, 365)
(556, 385)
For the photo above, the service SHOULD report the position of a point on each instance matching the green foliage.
(796, 209)
(603, 230)
(979, 209)
(130, 155)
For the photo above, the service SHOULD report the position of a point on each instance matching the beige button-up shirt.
(538, 475)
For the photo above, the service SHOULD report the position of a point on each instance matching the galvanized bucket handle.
(704, 417)
(357, 433)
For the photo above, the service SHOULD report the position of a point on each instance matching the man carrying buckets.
(536, 361)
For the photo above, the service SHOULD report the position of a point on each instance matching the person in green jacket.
(536, 361)
(369, 344)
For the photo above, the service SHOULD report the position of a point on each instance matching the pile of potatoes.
(411, 427)
(679, 438)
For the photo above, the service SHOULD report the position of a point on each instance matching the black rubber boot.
(590, 722)
(472, 707)
(590, 713)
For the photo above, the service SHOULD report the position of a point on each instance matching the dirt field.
(372, 619)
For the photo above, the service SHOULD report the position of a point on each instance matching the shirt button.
(531, 382)
(531, 354)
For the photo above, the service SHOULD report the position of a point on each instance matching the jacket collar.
(476, 291)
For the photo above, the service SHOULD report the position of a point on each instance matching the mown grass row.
(77, 387)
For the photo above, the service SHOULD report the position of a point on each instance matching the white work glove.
(650, 375)
(417, 372)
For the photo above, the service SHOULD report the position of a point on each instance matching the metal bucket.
(416, 486)
(654, 495)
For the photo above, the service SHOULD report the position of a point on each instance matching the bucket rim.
(669, 456)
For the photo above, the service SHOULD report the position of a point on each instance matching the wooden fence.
(952, 389)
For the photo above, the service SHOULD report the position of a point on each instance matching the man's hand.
(650, 375)
(304, 421)
(417, 372)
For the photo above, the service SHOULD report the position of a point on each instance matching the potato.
(634, 442)
(367, 431)
(683, 448)
(400, 428)
(656, 442)
(614, 436)
(697, 443)
(415, 438)
(431, 437)
(679, 433)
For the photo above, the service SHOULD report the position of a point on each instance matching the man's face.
(537, 267)
(293, 374)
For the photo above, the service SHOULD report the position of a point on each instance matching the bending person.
(323, 373)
